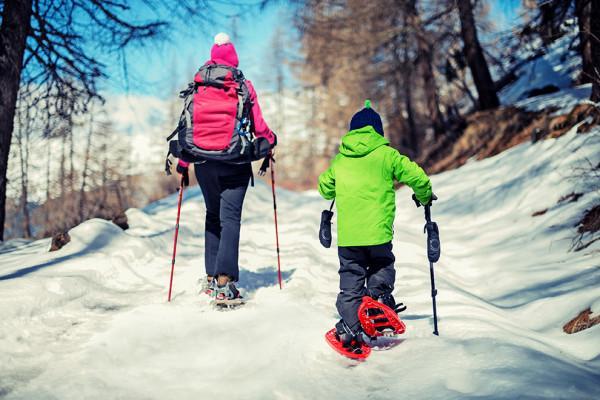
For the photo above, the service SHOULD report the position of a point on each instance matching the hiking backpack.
(215, 121)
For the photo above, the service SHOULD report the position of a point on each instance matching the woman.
(224, 187)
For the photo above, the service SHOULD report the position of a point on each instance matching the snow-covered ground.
(91, 321)
(558, 67)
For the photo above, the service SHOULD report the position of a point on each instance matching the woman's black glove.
(185, 175)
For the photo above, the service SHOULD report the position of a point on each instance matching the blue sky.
(162, 69)
(505, 13)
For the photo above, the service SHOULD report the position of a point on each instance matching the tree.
(278, 60)
(15, 27)
(551, 15)
(46, 42)
(24, 118)
(425, 61)
(583, 11)
(595, 49)
(475, 59)
(86, 167)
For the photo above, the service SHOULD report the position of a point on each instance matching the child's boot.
(349, 339)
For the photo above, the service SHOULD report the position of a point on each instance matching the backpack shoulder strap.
(185, 94)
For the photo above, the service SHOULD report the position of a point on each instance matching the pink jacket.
(226, 54)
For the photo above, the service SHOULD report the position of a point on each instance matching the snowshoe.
(379, 319)
(346, 342)
(355, 351)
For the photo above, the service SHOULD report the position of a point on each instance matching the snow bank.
(557, 68)
(91, 320)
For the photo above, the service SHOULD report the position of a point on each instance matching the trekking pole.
(272, 163)
(176, 235)
(433, 254)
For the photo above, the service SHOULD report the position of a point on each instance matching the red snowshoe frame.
(360, 353)
(376, 317)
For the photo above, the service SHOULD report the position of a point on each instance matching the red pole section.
(276, 227)
(175, 238)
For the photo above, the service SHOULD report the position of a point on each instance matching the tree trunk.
(84, 174)
(548, 15)
(16, 19)
(425, 61)
(398, 125)
(595, 49)
(412, 139)
(71, 160)
(48, 158)
(22, 135)
(63, 168)
(474, 55)
(583, 11)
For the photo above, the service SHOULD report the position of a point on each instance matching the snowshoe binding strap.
(377, 319)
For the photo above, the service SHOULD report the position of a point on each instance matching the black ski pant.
(360, 265)
(224, 188)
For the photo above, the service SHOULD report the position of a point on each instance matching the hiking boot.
(389, 301)
(348, 338)
(206, 285)
(225, 289)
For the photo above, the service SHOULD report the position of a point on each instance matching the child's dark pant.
(224, 188)
(373, 265)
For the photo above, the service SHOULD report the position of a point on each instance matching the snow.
(562, 101)
(92, 321)
(558, 67)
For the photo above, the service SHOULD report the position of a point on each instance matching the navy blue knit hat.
(367, 116)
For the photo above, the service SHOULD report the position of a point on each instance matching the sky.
(162, 69)
(505, 13)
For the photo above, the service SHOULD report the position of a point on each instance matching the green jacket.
(361, 179)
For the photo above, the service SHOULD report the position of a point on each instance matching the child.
(361, 179)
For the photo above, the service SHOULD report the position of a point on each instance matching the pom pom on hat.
(221, 39)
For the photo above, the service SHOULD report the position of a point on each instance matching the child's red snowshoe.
(377, 319)
(359, 351)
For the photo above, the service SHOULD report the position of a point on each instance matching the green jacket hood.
(361, 141)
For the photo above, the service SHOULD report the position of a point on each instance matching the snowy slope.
(91, 320)
(558, 67)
